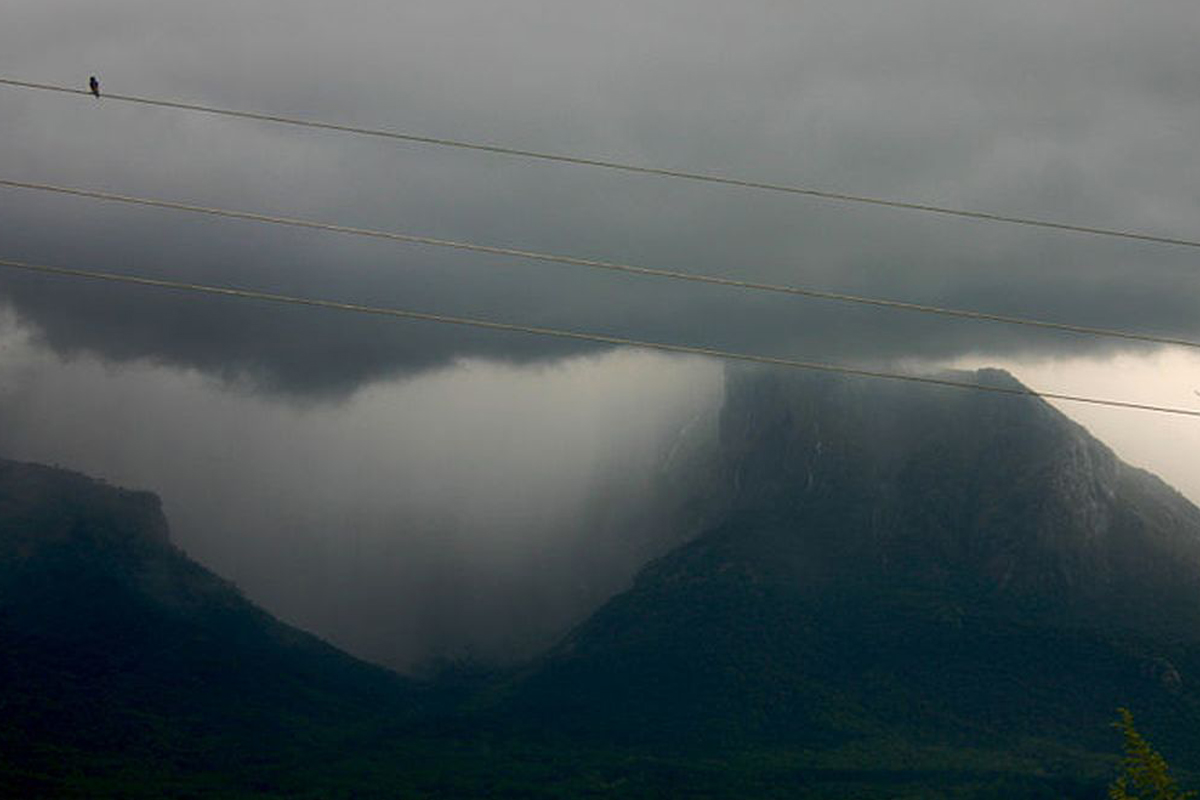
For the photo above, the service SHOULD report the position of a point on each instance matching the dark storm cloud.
(1076, 111)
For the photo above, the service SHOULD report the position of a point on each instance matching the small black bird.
(94, 85)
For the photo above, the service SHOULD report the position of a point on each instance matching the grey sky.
(276, 433)
(1080, 111)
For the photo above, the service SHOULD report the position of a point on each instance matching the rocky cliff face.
(937, 485)
(956, 566)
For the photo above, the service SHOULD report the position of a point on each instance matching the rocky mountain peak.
(929, 482)
(959, 565)
(45, 506)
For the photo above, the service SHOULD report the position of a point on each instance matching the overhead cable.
(704, 177)
(250, 294)
(613, 266)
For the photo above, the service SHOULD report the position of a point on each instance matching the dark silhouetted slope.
(116, 647)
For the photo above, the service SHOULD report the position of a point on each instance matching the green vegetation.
(484, 766)
(1146, 775)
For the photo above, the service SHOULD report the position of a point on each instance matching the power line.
(229, 291)
(704, 177)
(612, 266)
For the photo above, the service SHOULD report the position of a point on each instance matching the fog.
(474, 513)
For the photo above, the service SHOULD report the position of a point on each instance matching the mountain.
(886, 591)
(895, 567)
(126, 667)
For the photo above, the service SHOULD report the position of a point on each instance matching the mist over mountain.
(884, 590)
(477, 513)
(422, 560)
(888, 559)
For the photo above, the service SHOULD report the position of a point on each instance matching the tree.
(1146, 775)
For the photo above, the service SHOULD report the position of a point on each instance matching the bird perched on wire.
(94, 85)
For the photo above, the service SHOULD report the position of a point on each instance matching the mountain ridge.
(117, 649)
(966, 568)
(891, 591)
